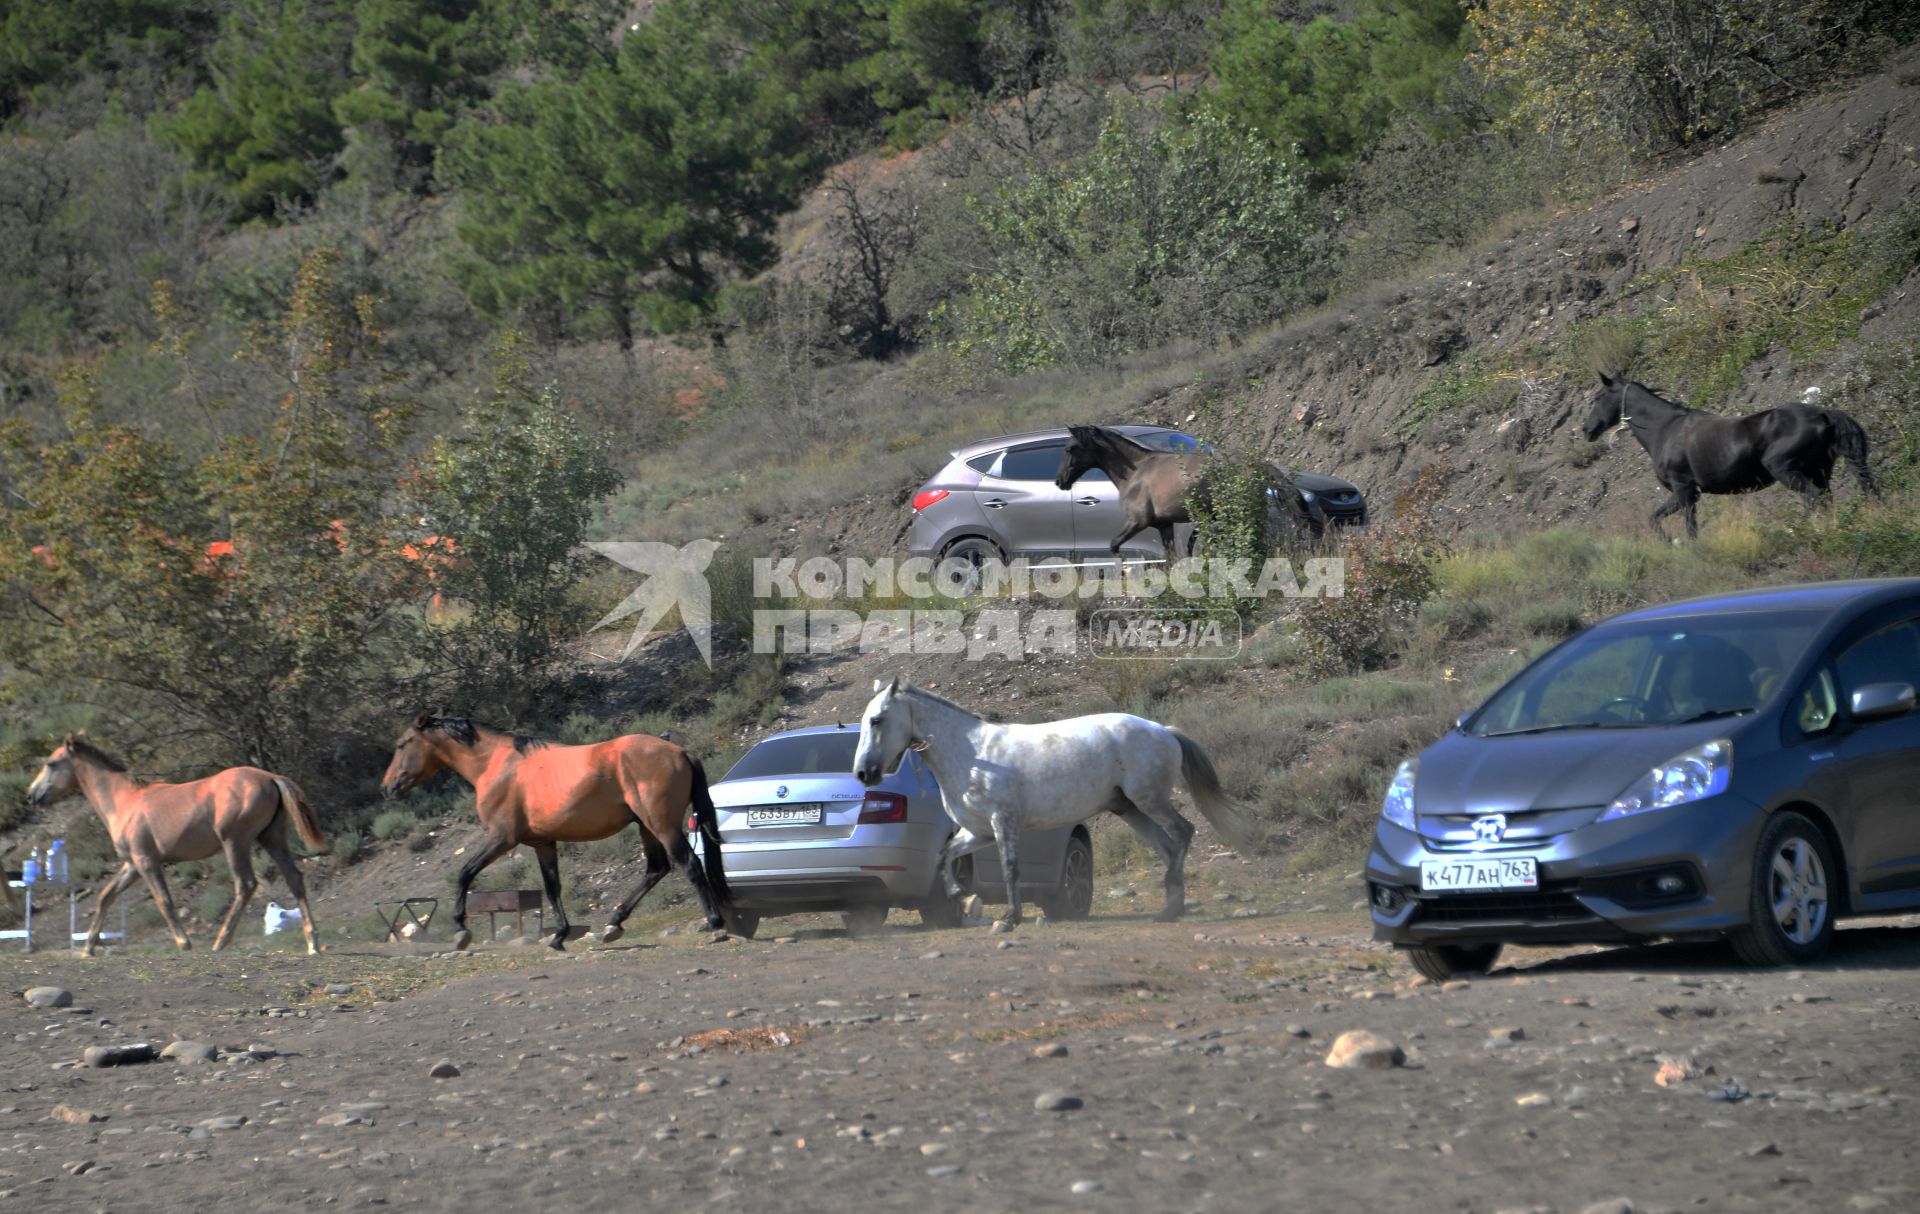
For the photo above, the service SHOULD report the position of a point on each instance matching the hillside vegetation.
(331, 330)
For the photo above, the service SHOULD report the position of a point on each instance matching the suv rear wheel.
(1443, 961)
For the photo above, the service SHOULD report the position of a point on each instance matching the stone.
(1298, 1030)
(444, 1069)
(1083, 1187)
(190, 1052)
(944, 1170)
(1675, 1071)
(1507, 1032)
(1056, 1102)
(1362, 1050)
(73, 1116)
(1052, 1049)
(339, 988)
(934, 1148)
(1533, 1100)
(1613, 1205)
(341, 1120)
(117, 1055)
(48, 997)
(223, 1121)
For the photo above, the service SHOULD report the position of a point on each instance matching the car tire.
(1443, 961)
(743, 923)
(941, 911)
(1073, 897)
(863, 920)
(975, 550)
(1790, 907)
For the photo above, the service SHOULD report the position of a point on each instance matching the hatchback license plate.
(785, 815)
(1518, 872)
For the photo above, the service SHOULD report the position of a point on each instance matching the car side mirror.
(1460, 722)
(1878, 701)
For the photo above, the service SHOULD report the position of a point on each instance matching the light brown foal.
(158, 824)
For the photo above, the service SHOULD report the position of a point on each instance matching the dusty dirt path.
(616, 1077)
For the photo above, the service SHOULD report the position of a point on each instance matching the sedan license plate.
(1515, 872)
(784, 815)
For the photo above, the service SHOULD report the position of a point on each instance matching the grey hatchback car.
(800, 834)
(1745, 766)
(997, 499)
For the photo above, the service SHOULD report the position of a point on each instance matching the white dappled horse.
(997, 780)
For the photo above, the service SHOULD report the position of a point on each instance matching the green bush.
(392, 824)
(1389, 574)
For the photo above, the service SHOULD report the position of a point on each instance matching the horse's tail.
(1203, 782)
(708, 823)
(1851, 442)
(295, 803)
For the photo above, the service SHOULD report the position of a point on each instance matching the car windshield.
(805, 754)
(1647, 673)
(1170, 440)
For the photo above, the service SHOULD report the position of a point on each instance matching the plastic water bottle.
(30, 871)
(57, 862)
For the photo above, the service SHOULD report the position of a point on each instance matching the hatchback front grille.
(1547, 906)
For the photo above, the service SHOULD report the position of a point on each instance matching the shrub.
(1160, 232)
(1390, 573)
(393, 823)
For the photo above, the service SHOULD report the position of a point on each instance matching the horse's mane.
(1102, 436)
(464, 729)
(938, 699)
(93, 753)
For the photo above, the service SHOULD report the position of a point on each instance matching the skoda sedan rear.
(1745, 766)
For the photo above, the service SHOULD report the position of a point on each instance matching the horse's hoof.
(461, 939)
(1001, 927)
(611, 932)
(1168, 915)
(972, 907)
(186, 945)
(559, 943)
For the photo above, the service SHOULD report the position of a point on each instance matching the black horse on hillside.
(1695, 452)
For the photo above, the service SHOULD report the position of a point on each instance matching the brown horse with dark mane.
(1154, 486)
(158, 824)
(1695, 452)
(542, 794)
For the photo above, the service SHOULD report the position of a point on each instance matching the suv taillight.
(883, 807)
(927, 497)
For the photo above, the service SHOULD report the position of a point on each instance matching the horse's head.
(1605, 411)
(886, 730)
(416, 756)
(57, 777)
(1081, 456)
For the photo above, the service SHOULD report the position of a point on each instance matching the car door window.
(983, 464)
(1817, 705)
(1891, 655)
(1031, 463)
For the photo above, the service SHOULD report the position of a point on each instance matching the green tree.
(509, 500)
(264, 127)
(50, 42)
(418, 65)
(1649, 73)
(1161, 232)
(255, 600)
(635, 187)
(1331, 87)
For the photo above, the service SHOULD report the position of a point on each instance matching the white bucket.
(279, 918)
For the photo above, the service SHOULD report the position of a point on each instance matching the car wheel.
(744, 923)
(1790, 913)
(1073, 898)
(975, 551)
(942, 911)
(1443, 961)
(863, 920)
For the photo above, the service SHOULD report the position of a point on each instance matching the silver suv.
(801, 834)
(997, 500)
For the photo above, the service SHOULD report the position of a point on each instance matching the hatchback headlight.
(1689, 776)
(1398, 806)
